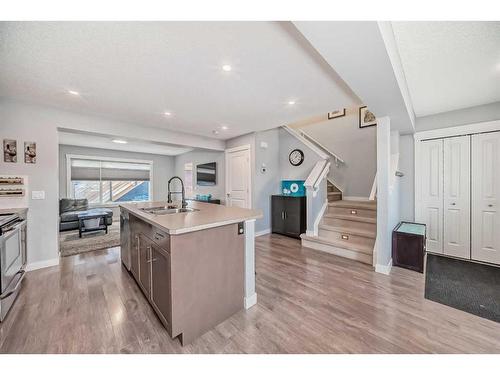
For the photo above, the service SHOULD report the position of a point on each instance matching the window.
(105, 181)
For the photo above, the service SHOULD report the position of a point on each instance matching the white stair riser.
(352, 239)
(348, 211)
(348, 223)
(345, 253)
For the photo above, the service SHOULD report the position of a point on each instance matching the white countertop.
(209, 216)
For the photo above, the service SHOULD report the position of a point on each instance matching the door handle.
(453, 204)
(490, 205)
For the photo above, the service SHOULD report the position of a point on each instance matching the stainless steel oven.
(12, 259)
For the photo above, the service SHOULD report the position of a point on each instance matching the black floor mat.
(467, 286)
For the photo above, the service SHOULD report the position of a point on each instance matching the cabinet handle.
(152, 260)
(490, 205)
(159, 236)
(282, 215)
(453, 204)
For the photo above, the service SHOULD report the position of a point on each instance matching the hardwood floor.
(308, 302)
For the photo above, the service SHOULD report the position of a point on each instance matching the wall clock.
(296, 157)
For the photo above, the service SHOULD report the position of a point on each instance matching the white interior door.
(456, 223)
(238, 177)
(485, 197)
(430, 208)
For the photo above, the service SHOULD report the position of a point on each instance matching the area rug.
(467, 286)
(71, 244)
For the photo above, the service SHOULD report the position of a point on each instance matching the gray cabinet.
(161, 297)
(134, 255)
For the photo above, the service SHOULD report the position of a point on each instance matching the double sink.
(167, 210)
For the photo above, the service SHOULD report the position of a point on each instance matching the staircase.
(347, 228)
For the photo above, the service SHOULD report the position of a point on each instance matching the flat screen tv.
(206, 174)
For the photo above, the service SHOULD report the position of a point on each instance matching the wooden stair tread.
(372, 206)
(334, 193)
(349, 230)
(363, 219)
(341, 244)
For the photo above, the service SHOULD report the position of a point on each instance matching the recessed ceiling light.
(224, 127)
(73, 92)
(168, 114)
(291, 102)
(121, 141)
(215, 132)
(226, 68)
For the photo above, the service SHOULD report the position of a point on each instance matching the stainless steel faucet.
(184, 203)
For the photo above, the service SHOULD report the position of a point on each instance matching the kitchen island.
(196, 266)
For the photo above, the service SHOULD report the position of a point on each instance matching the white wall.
(383, 244)
(357, 147)
(29, 123)
(407, 184)
(200, 157)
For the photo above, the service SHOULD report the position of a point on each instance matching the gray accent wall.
(357, 147)
(200, 157)
(466, 116)
(275, 158)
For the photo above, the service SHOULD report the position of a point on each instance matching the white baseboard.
(385, 269)
(355, 198)
(42, 264)
(262, 232)
(250, 301)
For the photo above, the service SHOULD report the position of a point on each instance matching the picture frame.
(10, 151)
(30, 152)
(336, 114)
(366, 118)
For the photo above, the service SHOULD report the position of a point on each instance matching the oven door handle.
(18, 284)
(10, 232)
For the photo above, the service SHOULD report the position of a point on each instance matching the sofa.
(69, 210)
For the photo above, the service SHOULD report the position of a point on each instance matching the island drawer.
(161, 238)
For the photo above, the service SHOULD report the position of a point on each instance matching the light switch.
(38, 194)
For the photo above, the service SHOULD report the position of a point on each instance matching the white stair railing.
(337, 159)
(316, 195)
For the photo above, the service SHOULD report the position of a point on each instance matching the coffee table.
(92, 214)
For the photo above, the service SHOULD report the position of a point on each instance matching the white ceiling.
(449, 65)
(106, 142)
(135, 71)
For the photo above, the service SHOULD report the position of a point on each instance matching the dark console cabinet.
(408, 246)
(288, 215)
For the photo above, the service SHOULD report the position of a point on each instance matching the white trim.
(384, 269)
(248, 148)
(69, 193)
(263, 232)
(355, 198)
(373, 192)
(250, 301)
(318, 219)
(480, 127)
(308, 143)
(42, 264)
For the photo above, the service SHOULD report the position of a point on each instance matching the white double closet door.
(459, 181)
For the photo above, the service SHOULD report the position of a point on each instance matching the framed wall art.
(10, 150)
(366, 118)
(30, 152)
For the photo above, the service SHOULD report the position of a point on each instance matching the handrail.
(322, 154)
(318, 173)
(337, 158)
